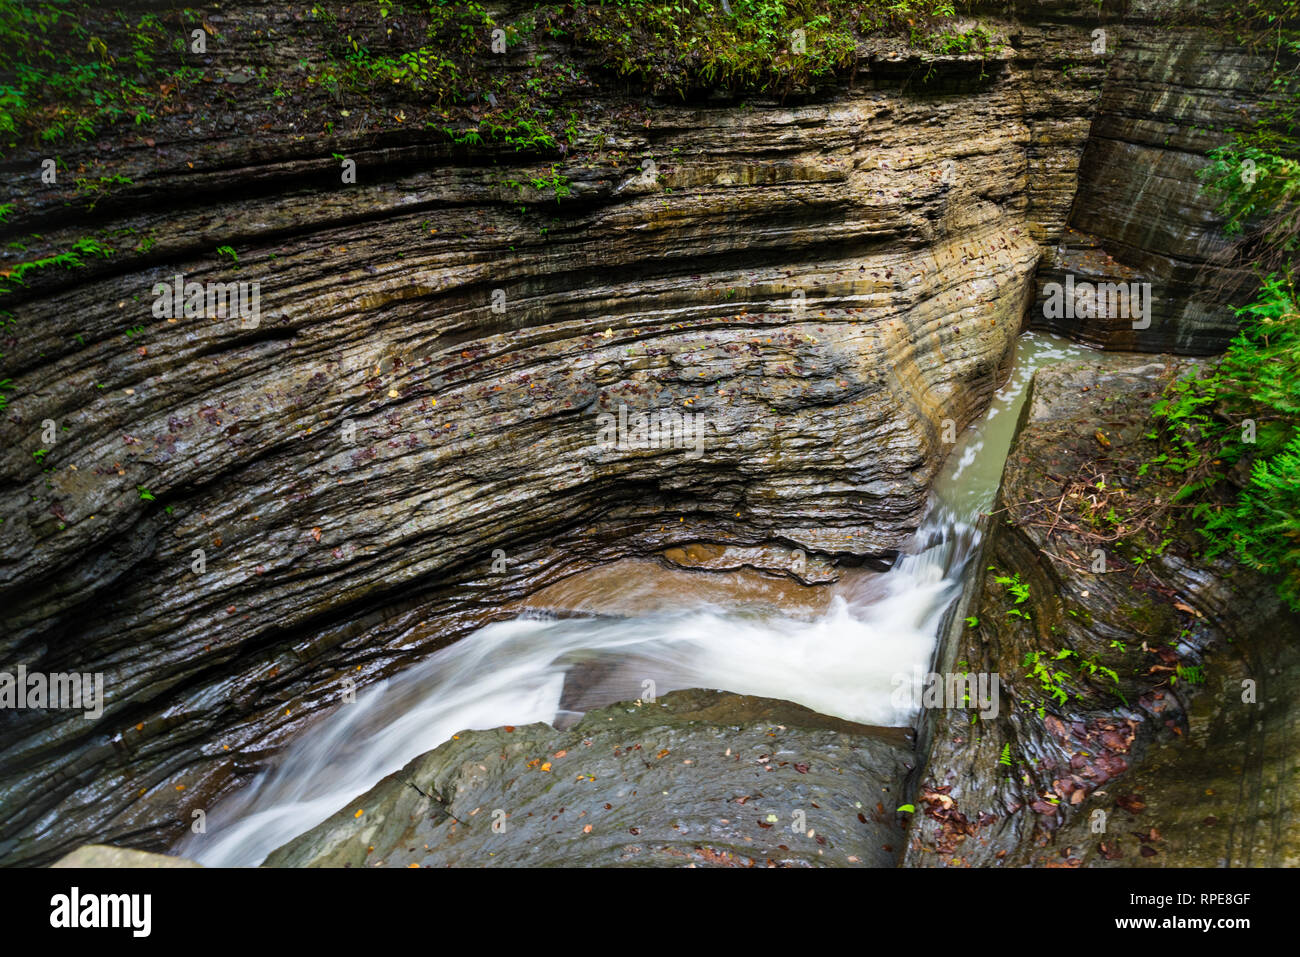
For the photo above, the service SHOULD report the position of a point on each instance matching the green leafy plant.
(1233, 436)
(95, 189)
(1018, 590)
(1250, 182)
(71, 68)
(1049, 680)
(1192, 674)
(557, 183)
(70, 258)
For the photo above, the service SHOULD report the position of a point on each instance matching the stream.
(842, 662)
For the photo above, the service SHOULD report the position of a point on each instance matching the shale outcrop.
(235, 516)
(696, 778)
(1140, 216)
(1148, 694)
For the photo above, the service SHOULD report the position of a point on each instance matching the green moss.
(1150, 620)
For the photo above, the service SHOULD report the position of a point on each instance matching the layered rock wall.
(1147, 697)
(1174, 90)
(235, 521)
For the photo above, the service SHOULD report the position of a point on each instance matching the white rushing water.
(843, 663)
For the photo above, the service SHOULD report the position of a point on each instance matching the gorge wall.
(831, 283)
(1139, 215)
(1149, 699)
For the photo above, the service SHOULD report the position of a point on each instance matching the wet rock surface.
(636, 586)
(235, 524)
(104, 855)
(697, 778)
(238, 524)
(1157, 730)
(1173, 84)
(781, 561)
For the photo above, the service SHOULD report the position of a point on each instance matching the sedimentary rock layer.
(1156, 730)
(1140, 214)
(696, 778)
(231, 518)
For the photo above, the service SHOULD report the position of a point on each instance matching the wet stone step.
(701, 778)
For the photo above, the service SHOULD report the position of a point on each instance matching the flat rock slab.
(105, 855)
(640, 586)
(698, 778)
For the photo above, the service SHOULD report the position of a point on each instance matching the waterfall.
(846, 662)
